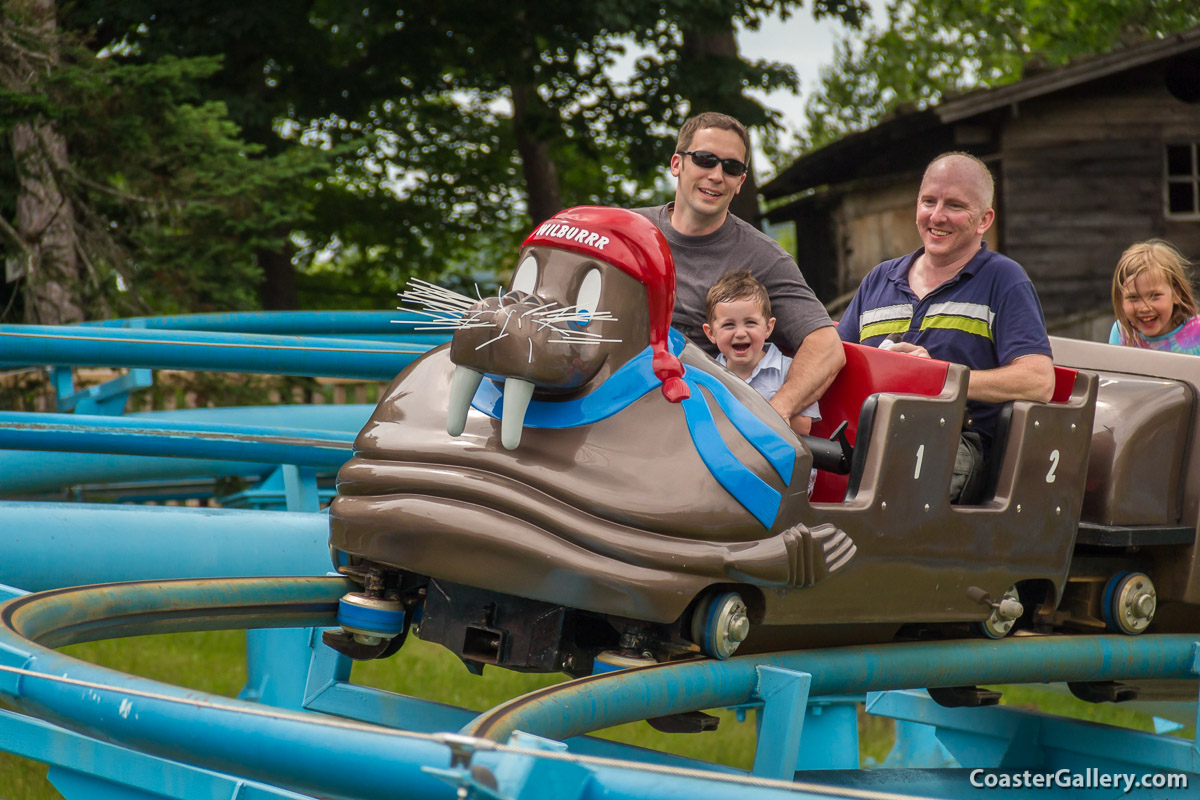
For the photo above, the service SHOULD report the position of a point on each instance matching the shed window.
(1183, 181)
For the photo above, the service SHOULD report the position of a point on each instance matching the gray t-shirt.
(700, 261)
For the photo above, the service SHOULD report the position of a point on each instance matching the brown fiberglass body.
(568, 479)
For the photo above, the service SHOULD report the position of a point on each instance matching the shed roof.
(871, 151)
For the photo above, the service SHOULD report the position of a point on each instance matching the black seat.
(995, 458)
(866, 421)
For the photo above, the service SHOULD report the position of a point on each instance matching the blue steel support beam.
(1010, 738)
(784, 695)
(288, 323)
(56, 545)
(314, 754)
(93, 769)
(74, 346)
(325, 688)
(108, 398)
(226, 735)
(306, 753)
(602, 701)
(329, 417)
(24, 472)
(831, 733)
(174, 438)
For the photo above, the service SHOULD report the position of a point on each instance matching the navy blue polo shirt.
(986, 316)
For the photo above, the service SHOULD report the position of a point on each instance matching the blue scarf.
(634, 380)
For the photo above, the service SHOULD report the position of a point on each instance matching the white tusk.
(462, 391)
(517, 394)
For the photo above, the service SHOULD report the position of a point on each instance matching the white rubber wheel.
(997, 625)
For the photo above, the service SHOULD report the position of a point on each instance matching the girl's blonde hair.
(1142, 257)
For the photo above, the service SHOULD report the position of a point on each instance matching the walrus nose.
(516, 296)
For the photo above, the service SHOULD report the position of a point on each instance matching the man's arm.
(1026, 378)
(814, 367)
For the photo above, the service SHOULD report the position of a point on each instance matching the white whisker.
(558, 312)
(584, 334)
(539, 309)
(432, 305)
(531, 351)
(546, 309)
(454, 321)
(446, 309)
(434, 287)
(493, 339)
(448, 326)
(427, 293)
(582, 341)
(434, 314)
(581, 314)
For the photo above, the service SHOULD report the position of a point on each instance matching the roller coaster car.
(558, 488)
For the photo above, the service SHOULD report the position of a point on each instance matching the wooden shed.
(1088, 158)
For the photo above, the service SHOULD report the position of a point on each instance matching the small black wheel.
(346, 644)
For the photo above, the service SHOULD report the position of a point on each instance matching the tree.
(44, 237)
(142, 181)
(362, 142)
(415, 172)
(713, 76)
(548, 61)
(934, 48)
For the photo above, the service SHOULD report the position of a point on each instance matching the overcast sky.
(806, 45)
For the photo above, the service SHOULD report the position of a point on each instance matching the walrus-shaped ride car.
(569, 480)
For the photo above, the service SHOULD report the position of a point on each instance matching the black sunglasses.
(706, 160)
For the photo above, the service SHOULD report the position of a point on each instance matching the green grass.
(1064, 705)
(214, 661)
(428, 671)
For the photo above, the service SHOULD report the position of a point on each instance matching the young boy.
(739, 321)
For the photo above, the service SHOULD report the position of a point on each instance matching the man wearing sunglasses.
(710, 164)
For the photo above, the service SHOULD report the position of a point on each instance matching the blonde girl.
(1153, 300)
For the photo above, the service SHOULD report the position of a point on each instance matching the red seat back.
(868, 370)
(1064, 384)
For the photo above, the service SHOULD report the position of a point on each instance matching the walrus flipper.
(820, 552)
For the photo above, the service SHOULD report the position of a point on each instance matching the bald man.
(956, 300)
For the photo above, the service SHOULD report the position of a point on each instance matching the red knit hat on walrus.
(632, 244)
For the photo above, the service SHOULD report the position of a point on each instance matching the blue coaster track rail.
(80, 572)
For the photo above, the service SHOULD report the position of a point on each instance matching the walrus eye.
(525, 278)
(588, 297)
